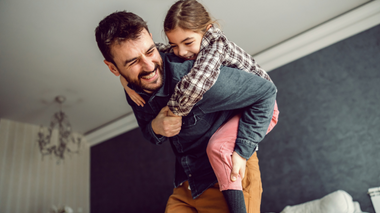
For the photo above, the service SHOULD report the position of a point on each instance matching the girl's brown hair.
(188, 15)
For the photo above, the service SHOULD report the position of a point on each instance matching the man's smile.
(149, 76)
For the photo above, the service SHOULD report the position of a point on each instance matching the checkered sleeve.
(201, 78)
(240, 59)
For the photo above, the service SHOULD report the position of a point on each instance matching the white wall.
(29, 184)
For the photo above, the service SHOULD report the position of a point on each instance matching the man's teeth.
(189, 57)
(148, 76)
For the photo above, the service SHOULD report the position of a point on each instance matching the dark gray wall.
(327, 138)
(328, 135)
(129, 174)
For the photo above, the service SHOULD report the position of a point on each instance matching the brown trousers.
(212, 199)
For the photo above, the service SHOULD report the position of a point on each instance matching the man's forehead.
(143, 41)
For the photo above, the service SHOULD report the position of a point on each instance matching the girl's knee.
(212, 148)
(221, 148)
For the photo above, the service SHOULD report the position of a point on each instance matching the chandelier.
(67, 142)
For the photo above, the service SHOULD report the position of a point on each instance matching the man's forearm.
(166, 123)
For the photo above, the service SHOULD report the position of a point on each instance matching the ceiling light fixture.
(67, 142)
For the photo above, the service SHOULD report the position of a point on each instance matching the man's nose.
(148, 64)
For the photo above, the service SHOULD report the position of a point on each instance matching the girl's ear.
(112, 68)
(209, 26)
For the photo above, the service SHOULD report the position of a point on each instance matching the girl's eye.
(173, 46)
(189, 43)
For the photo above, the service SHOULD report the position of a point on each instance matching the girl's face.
(185, 43)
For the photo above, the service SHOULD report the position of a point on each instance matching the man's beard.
(152, 86)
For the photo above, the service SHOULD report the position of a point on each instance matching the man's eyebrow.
(130, 60)
(188, 38)
(151, 47)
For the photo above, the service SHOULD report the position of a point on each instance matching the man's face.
(139, 62)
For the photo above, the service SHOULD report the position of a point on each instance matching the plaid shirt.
(216, 50)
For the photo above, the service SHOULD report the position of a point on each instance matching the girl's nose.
(182, 52)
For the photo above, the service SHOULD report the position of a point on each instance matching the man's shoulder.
(176, 66)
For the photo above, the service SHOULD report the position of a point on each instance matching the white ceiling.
(47, 48)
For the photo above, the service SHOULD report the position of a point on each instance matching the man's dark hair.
(118, 27)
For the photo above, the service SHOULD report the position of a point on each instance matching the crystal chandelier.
(67, 142)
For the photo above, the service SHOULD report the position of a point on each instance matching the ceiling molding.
(335, 30)
(111, 130)
(328, 33)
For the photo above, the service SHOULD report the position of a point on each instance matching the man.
(129, 50)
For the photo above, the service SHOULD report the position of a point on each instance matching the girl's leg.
(219, 151)
(274, 118)
(221, 146)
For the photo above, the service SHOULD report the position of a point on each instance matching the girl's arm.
(244, 61)
(199, 80)
(131, 93)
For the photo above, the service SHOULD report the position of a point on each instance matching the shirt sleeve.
(252, 96)
(242, 60)
(199, 80)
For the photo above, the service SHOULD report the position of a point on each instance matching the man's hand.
(238, 166)
(166, 123)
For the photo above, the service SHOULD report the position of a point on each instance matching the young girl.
(193, 36)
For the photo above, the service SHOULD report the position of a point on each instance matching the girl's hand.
(131, 93)
(135, 97)
(238, 166)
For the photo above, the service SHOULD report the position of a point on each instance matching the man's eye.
(132, 63)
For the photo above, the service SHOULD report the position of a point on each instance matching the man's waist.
(198, 182)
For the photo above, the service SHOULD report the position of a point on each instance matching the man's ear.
(112, 68)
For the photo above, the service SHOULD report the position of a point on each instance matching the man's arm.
(166, 123)
(156, 126)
